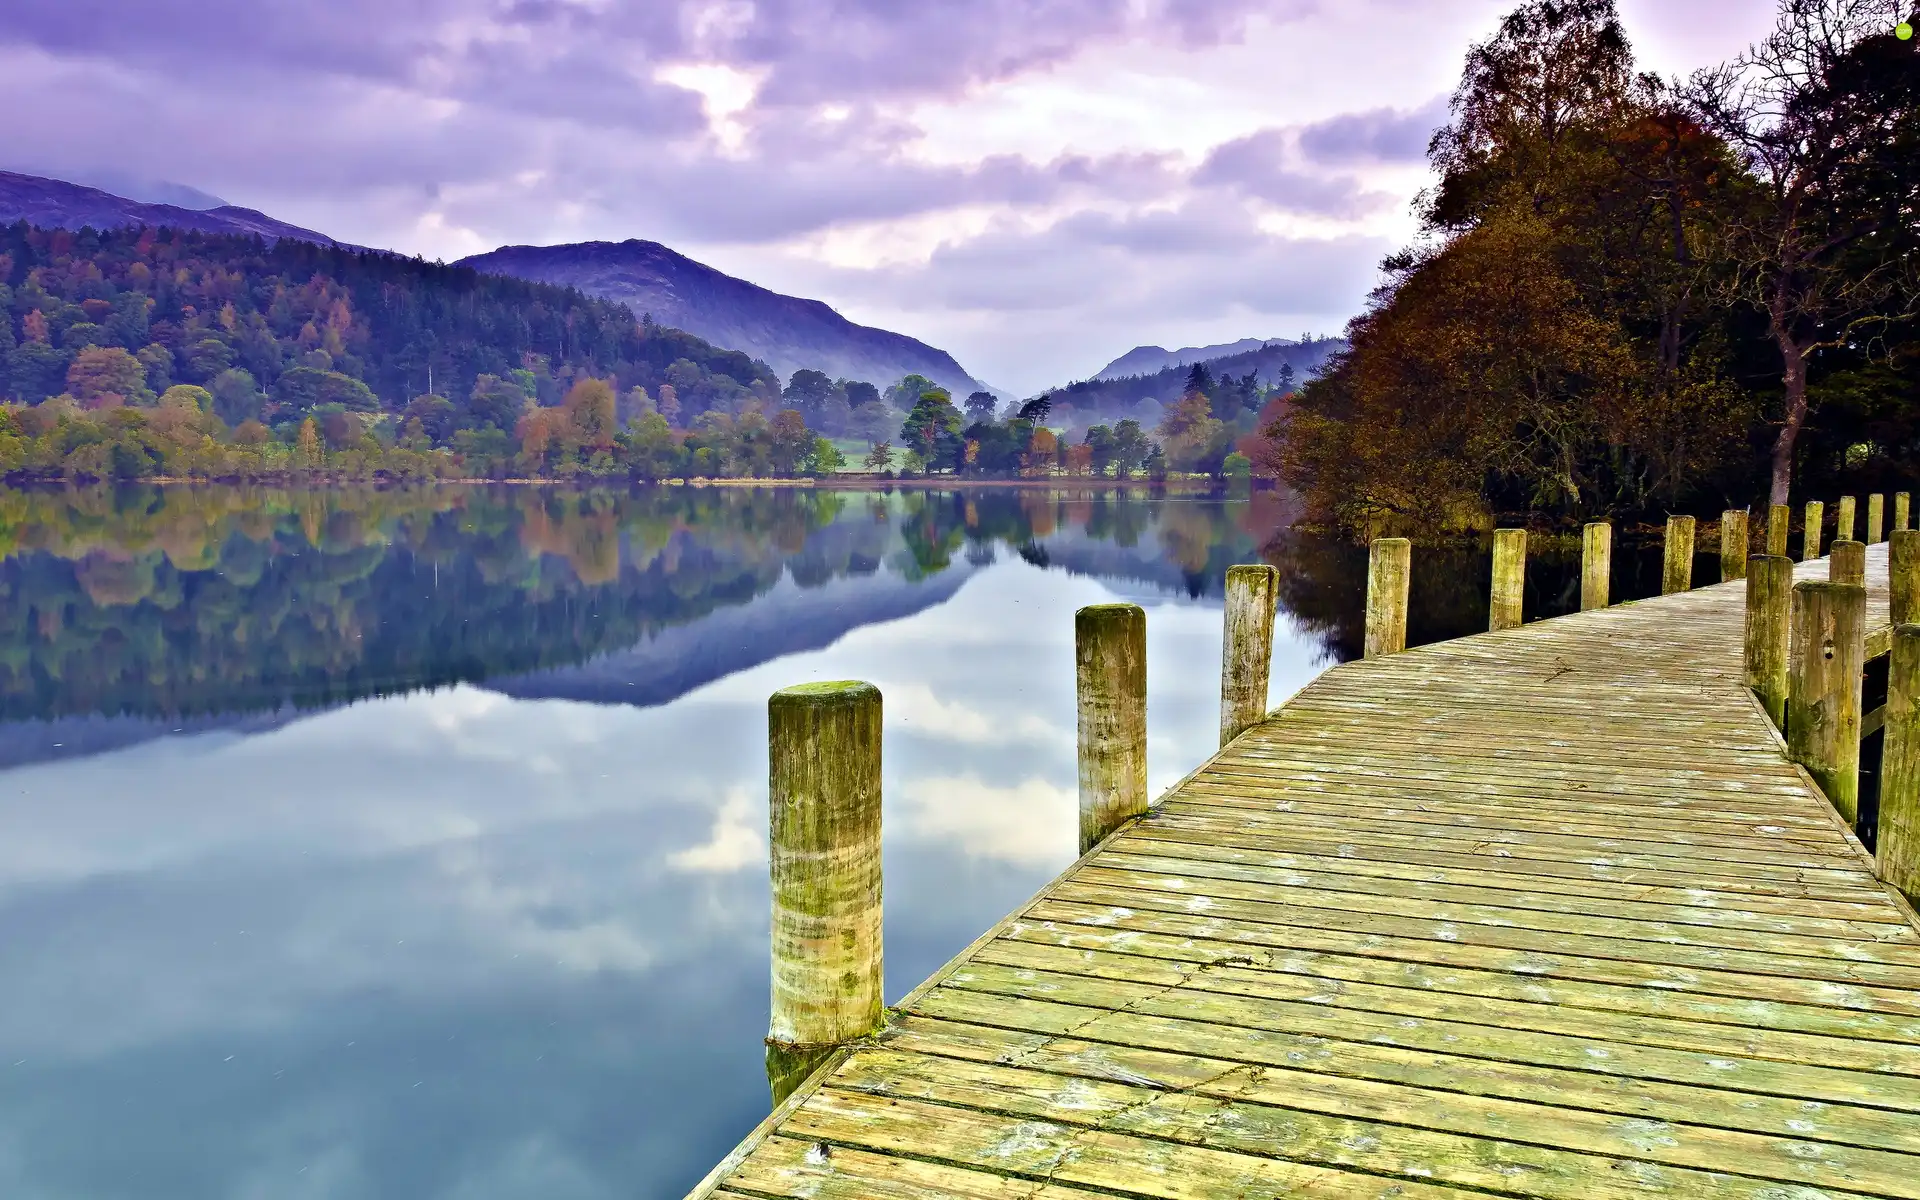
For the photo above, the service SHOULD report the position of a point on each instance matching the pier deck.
(1544, 912)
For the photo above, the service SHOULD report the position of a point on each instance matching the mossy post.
(1246, 647)
(1876, 518)
(1903, 577)
(1596, 565)
(1843, 520)
(1902, 511)
(823, 749)
(1779, 523)
(1810, 535)
(1678, 575)
(1110, 659)
(1769, 628)
(1897, 852)
(1733, 544)
(1823, 698)
(1389, 571)
(1509, 579)
(1847, 563)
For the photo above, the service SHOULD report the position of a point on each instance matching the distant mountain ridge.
(1264, 361)
(57, 204)
(787, 333)
(1145, 360)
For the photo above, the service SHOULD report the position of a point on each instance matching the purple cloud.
(1381, 135)
(1256, 166)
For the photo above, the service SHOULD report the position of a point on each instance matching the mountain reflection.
(177, 603)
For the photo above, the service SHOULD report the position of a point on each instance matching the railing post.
(823, 750)
(1903, 576)
(1246, 650)
(1779, 521)
(1897, 850)
(1876, 518)
(1389, 571)
(1810, 536)
(1769, 600)
(1847, 563)
(1733, 544)
(1843, 520)
(1509, 579)
(1678, 576)
(1110, 660)
(1596, 565)
(1823, 700)
(1902, 510)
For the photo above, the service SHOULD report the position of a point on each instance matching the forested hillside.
(1275, 366)
(1635, 297)
(273, 331)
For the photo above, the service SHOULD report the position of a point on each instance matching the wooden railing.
(1807, 645)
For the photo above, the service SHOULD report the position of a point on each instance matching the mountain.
(785, 332)
(56, 204)
(1145, 360)
(1116, 395)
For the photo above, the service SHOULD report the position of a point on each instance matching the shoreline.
(845, 482)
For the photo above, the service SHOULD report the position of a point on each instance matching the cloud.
(1255, 166)
(1380, 135)
(734, 845)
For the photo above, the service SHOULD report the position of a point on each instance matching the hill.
(785, 332)
(1146, 360)
(278, 329)
(56, 204)
(1141, 396)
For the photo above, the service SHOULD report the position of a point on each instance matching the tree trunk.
(1794, 379)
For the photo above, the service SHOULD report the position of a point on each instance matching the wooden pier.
(1544, 912)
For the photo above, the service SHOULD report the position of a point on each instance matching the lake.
(412, 843)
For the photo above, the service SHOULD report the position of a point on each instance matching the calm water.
(412, 845)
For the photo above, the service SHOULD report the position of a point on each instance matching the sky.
(1034, 185)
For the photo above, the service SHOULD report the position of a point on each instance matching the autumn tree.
(105, 376)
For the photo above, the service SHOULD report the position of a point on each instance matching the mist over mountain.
(57, 204)
(785, 332)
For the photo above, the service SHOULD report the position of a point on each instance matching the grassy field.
(855, 450)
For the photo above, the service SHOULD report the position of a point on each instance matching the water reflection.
(412, 844)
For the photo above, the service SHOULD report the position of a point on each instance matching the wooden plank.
(1415, 1133)
(1172, 960)
(1052, 1152)
(1195, 893)
(1504, 891)
(1260, 941)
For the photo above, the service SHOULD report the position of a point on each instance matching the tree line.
(142, 353)
(1635, 295)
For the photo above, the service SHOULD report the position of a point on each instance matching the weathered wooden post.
(1876, 518)
(1823, 698)
(1810, 536)
(1897, 851)
(1678, 576)
(823, 751)
(1246, 650)
(1733, 544)
(1779, 521)
(1847, 563)
(1903, 576)
(1843, 520)
(1110, 661)
(1596, 565)
(1769, 604)
(1389, 571)
(1902, 510)
(1509, 579)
